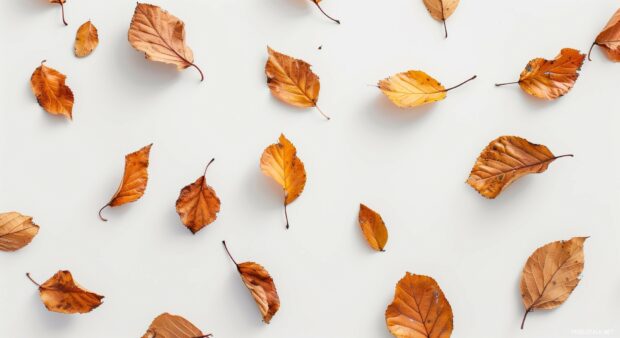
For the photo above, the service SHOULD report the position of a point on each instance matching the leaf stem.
(590, 51)
(320, 111)
(460, 84)
(567, 155)
(322, 11)
(443, 18)
(100, 210)
(32, 280)
(207, 167)
(205, 336)
(286, 213)
(202, 76)
(62, 9)
(525, 316)
(229, 255)
(506, 83)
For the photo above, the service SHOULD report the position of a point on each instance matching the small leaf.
(419, 309)
(16, 231)
(62, 294)
(48, 85)
(86, 39)
(62, 8)
(551, 274)
(198, 204)
(134, 181)
(261, 286)
(373, 228)
(441, 10)
(609, 39)
(316, 2)
(171, 326)
(505, 160)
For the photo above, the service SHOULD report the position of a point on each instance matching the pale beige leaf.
(16, 231)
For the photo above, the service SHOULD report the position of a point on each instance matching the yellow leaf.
(86, 39)
(441, 10)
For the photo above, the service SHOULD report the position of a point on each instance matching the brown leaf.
(62, 8)
(609, 39)
(48, 85)
(261, 286)
(551, 274)
(161, 36)
(550, 79)
(198, 204)
(280, 162)
(16, 231)
(316, 2)
(86, 39)
(292, 81)
(441, 10)
(419, 309)
(171, 326)
(373, 227)
(134, 181)
(62, 294)
(505, 160)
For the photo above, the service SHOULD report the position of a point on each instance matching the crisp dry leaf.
(292, 81)
(316, 2)
(373, 228)
(172, 326)
(609, 39)
(261, 286)
(280, 162)
(86, 39)
(134, 181)
(441, 10)
(16, 231)
(414, 88)
(419, 309)
(53, 95)
(62, 8)
(161, 36)
(198, 204)
(551, 274)
(506, 159)
(550, 79)
(62, 294)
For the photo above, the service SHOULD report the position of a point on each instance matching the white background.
(409, 165)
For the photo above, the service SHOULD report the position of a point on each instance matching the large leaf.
(171, 326)
(609, 38)
(53, 95)
(16, 231)
(62, 294)
(198, 204)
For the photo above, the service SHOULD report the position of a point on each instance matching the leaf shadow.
(382, 112)
(31, 7)
(497, 207)
(291, 9)
(261, 194)
(52, 320)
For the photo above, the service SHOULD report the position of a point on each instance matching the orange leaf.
(134, 181)
(373, 227)
(506, 159)
(441, 10)
(316, 2)
(171, 326)
(551, 274)
(419, 309)
(198, 204)
(48, 85)
(62, 294)
(609, 39)
(16, 231)
(86, 39)
(161, 36)
(550, 79)
(261, 286)
(292, 81)
(62, 8)
(280, 162)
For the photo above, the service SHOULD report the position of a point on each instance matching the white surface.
(408, 165)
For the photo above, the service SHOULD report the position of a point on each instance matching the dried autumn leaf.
(16, 231)
(198, 204)
(261, 286)
(550, 79)
(86, 39)
(62, 8)
(62, 294)
(292, 81)
(609, 39)
(506, 159)
(134, 181)
(161, 36)
(316, 2)
(373, 228)
(171, 326)
(441, 10)
(48, 85)
(419, 309)
(414, 88)
(551, 274)
(280, 162)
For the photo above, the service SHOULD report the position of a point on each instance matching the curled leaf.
(292, 81)
(505, 160)
(316, 2)
(161, 36)
(441, 10)
(419, 309)
(414, 88)
(551, 274)
(261, 286)
(280, 162)
(86, 39)
(48, 85)
(16, 231)
(550, 79)
(134, 181)
(609, 39)
(198, 204)
(171, 326)
(62, 294)
(373, 228)
(62, 8)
